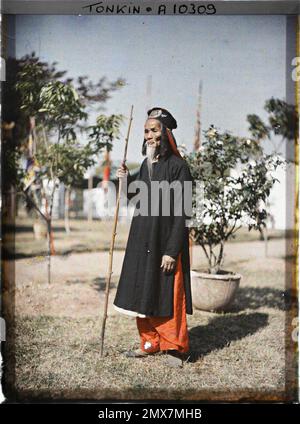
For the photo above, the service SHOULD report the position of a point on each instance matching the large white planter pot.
(213, 292)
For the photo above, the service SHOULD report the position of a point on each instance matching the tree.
(59, 113)
(282, 121)
(228, 199)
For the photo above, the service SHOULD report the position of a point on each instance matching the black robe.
(143, 286)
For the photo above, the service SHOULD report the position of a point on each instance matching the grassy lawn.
(238, 355)
(84, 237)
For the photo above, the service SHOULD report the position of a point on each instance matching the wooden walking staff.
(111, 250)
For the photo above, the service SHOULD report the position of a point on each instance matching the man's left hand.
(168, 263)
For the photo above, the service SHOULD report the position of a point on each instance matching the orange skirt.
(165, 333)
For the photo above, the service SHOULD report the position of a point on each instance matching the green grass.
(59, 358)
(84, 237)
(238, 355)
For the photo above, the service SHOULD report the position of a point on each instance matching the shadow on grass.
(11, 255)
(29, 229)
(223, 330)
(98, 284)
(289, 258)
(258, 297)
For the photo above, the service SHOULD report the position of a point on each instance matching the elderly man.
(154, 284)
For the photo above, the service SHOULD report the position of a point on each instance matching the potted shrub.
(233, 179)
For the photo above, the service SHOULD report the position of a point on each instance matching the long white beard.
(151, 153)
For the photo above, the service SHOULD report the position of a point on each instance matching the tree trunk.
(220, 257)
(66, 214)
(50, 233)
(265, 234)
(90, 200)
(49, 250)
(49, 217)
(12, 203)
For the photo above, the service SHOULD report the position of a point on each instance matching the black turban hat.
(163, 116)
